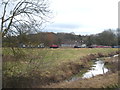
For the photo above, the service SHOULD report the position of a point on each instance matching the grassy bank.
(101, 81)
(44, 65)
(107, 81)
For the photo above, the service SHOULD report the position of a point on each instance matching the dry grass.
(108, 80)
(100, 81)
(49, 65)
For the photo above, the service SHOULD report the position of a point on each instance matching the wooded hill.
(108, 37)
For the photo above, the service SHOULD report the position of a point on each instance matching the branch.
(4, 12)
(29, 9)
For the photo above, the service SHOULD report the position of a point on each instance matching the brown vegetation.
(63, 72)
(100, 81)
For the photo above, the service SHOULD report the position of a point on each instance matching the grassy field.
(44, 62)
(48, 58)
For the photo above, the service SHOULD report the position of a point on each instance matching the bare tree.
(30, 14)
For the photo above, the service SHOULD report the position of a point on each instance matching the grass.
(44, 62)
(50, 58)
(84, 70)
(101, 81)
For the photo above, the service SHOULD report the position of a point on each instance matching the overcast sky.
(83, 16)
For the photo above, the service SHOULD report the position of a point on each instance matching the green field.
(50, 58)
(44, 62)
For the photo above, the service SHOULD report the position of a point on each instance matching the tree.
(118, 36)
(30, 14)
(107, 37)
(51, 38)
(89, 40)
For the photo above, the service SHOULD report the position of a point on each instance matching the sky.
(83, 16)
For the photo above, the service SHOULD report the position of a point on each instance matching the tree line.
(107, 37)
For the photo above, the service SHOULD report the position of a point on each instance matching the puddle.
(96, 69)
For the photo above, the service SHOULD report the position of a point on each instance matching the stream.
(96, 69)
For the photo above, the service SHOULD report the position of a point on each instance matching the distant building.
(71, 44)
(83, 46)
(41, 45)
(67, 45)
(32, 46)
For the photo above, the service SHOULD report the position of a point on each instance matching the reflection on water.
(98, 68)
(116, 55)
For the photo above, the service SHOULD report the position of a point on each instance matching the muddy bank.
(72, 68)
(112, 63)
(100, 81)
(106, 80)
(67, 69)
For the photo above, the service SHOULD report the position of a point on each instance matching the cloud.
(61, 27)
(71, 27)
(84, 16)
(64, 25)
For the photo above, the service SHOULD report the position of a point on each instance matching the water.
(96, 69)
(116, 55)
